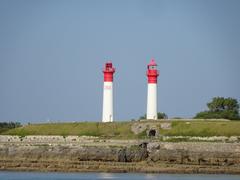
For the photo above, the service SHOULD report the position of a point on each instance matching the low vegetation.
(115, 129)
(122, 130)
(220, 107)
(160, 115)
(4, 126)
(204, 128)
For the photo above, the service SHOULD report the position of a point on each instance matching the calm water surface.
(7, 175)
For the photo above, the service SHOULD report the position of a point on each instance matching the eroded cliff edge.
(90, 154)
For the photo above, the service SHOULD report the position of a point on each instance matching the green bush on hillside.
(161, 115)
(220, 108)
(4, 126)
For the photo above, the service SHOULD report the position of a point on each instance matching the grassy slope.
(204, 128)
(81, 128)
(3, 129)
(123, 129)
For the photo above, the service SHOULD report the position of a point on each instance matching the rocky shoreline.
(98, 166)
(89, 155)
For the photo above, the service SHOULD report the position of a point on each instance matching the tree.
(161, 115)
(142, 117)
(4, 126)
(220, 107)
(220, 104)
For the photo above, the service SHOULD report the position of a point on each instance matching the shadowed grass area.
(122, 130)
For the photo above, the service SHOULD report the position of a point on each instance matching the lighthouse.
(107, 114)
(152, 74)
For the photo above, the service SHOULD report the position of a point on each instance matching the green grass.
(122, 130)
(116, 129)
(203, 128)
(3, 129)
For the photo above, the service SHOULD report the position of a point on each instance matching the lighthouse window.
(152, 67)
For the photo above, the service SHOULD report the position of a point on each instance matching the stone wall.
(61, 139)
(91, 148)
(15, 152)
(196, 153)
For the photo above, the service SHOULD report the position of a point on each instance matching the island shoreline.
(119, 156)
(165, 169)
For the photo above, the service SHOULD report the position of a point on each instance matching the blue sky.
(52, 53)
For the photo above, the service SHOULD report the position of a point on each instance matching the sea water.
(9, 175)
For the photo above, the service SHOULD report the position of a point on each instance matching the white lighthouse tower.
(108, 71)
(152, 74)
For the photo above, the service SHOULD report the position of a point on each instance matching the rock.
(138, 128)
(233, 139)
(186, 153)
(166, 125)
(136, 153)
(152, 147)
(220, 154)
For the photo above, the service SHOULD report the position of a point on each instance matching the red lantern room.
(152, 72)
(108, 71)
